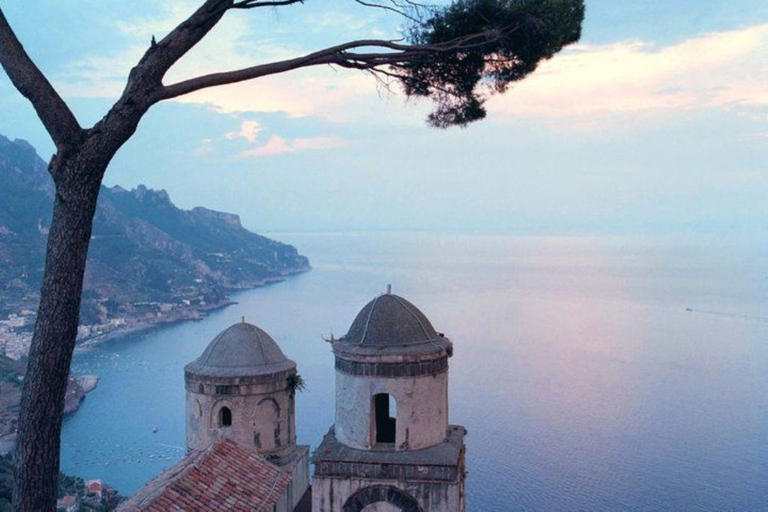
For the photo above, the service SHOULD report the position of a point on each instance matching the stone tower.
(391, 447)
(242, 387)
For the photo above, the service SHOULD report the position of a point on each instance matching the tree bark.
(45, 384)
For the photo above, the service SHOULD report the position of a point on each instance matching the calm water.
(584, 382)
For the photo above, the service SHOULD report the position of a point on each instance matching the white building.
(391, 447)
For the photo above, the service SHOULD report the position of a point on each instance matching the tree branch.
(57, 118)
(398, 10)
(327, 56)
(146, 77)
(252, 4)
(339, 55)
(230, 77)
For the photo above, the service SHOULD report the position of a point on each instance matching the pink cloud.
(249, 130)
(586, 83)
(277, 145)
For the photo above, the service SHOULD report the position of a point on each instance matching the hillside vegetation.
(147, 256)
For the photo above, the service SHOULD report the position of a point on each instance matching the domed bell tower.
(243, 387)
(391, 445)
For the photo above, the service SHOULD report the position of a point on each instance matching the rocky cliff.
(147, 257)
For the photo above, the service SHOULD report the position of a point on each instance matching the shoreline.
(140, 326)
(182, 315)
(88, 383)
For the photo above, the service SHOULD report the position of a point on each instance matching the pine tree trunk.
(45, 384)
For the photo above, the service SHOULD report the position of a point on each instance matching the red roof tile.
(225, 476)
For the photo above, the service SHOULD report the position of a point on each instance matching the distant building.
(15, 321)
(93, 487)
(68, 504)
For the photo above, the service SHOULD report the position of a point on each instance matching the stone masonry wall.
(422, 409)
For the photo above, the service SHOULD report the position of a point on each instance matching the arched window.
(225, 417)
(391, 497)
(385, 416)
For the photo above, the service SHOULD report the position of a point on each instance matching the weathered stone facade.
(391, 448)
(242, 388)
(420, 423)
(261, 410)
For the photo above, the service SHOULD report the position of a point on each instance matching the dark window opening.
(225, 417)
(386, 418)
(226, 390)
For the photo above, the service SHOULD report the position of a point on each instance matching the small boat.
(154, 430)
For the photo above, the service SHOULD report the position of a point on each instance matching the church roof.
(241, 350)
(392, 324)
(225, 476)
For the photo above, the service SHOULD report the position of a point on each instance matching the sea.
(593, 373)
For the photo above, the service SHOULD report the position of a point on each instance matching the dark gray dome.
(241, 350)
(390, 321)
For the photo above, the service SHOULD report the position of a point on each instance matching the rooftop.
(241, 350)
(391, 324)
(447, 453)
(225, 476)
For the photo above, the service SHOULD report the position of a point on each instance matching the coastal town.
(16, 329)
(150, 262)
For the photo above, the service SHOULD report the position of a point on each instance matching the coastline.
(81, 385)
(192, 313)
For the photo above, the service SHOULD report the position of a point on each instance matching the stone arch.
(275, 405)
(266, 433)
(381, 493)
(214, 413)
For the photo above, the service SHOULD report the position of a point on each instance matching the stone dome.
(239, 351)
(389, 324)
(389, 320)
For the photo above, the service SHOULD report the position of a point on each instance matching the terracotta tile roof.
(66, 501)
(223, 477)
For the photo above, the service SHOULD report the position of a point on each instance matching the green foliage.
(67, 485)
(295, 383)
(497, 42)
(144, 249)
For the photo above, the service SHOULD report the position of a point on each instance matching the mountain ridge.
(148, 258)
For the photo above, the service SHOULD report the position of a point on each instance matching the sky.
(655, 122)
